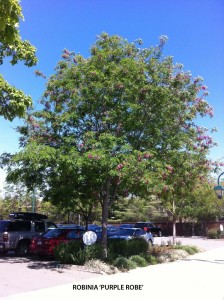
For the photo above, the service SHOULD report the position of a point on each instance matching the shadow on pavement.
(205, 260)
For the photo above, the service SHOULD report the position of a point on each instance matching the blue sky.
(194, 28)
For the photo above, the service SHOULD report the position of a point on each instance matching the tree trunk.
(192, 228)
(174, 224)
(105, 209)
(174, 230)
(86, 222)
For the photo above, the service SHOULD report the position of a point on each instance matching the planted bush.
(123, 264)
(127, 248)
(75, 252)
(70, 253)
(152, 260)
(93, 252)
(213, 234)
(189, 249)
(139, 261)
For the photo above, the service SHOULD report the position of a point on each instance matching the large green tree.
(110, 125)
(13, 102)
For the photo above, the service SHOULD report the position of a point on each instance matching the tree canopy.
(120, 122)
(13, 102)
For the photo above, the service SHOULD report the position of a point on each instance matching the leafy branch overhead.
(13, 102)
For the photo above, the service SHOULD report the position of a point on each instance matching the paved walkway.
(199, 277)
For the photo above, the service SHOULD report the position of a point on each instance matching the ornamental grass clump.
(189, 249)
(101, 267)
(139, 260)
(124, 264)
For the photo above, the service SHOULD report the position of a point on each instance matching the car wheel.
(22, 248)
(160, 233)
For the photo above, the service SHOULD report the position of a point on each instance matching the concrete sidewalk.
(199, 277)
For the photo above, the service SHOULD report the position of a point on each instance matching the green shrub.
(189, 249)
(139, 261)
(127, 248)
(70, 253)
(75, 252)
(94, 251)
(123, 264)
(151, 259)
(213, 234)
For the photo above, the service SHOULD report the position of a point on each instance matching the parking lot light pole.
(219, 189)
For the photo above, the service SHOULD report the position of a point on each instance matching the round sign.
(89, 238)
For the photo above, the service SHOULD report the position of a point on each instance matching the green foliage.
(70, 253)
(13, 102)
(16, 198)
(151, 259)
(11, 43)
(127, 248)
(214, 234)
(140, 261)
(94, 251)
(189, 249)
(75, 252)
(133, 209)
(124, 264)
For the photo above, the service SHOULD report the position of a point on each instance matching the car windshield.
(54, 233)
(128, 231)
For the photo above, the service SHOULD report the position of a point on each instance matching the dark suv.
(17, 232)
(149, 227)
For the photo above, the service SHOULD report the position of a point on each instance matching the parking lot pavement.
(199, 277)
(201, 242)
(19, 275)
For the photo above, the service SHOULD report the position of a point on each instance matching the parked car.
(17, 232)
(44, 245)
(111, 230)
(149, 227)
(70, 226)
(92, 227)
(126, 226)
(130, 233)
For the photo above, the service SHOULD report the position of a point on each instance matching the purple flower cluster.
(120, 166)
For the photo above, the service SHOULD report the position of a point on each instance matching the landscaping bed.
(122, 255)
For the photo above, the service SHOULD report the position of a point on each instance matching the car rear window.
(126, 231)
(3, 225)
(19, 226)
(140, 225)
(75, 234)
(54, 233)
(39, 226)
